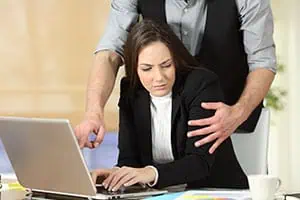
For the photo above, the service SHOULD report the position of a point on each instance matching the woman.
(163, 89)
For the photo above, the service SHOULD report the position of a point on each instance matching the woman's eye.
(146, 69)
(166, 66)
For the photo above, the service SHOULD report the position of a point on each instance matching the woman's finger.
(123, 180)
(132, 181)
(98, 172)
(108, 180)
(118, 176)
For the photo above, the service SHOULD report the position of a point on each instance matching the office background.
(47, 49)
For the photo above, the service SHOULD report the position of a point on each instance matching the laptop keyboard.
(123, 190)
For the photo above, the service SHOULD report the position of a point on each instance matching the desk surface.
(13, 195)
(21, 195)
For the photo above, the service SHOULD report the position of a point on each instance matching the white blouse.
(161, 111)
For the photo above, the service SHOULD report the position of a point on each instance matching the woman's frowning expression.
(156, 69)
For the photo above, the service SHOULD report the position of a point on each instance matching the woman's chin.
(160, 93)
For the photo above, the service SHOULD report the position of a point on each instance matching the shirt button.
(185, 10)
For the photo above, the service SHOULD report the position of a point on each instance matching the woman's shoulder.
(199, 78)
(201, 83)
(128, 92)
(124, 92)
(124, 85)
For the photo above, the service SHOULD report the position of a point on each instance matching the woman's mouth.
(160, 87)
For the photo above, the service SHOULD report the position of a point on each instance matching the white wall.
(285, 132)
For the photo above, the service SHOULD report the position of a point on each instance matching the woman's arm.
(128, 144)
(197, 162)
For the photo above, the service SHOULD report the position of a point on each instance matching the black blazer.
(191, 165)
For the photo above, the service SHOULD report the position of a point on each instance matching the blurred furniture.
(251, 149)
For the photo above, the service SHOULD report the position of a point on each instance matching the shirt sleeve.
(257, 25)
(122, 15)
(156, 177)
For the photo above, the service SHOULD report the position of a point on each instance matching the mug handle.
(278, 184)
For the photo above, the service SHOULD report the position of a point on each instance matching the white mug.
(263, 187)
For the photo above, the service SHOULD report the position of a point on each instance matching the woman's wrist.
(153, 182)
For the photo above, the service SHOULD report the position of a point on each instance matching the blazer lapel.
(175, 108)
(143, 123)
(176, 102)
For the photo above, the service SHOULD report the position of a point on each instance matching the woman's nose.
(158, 76)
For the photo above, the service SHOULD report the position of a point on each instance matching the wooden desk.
(23, 195)
(13, 195)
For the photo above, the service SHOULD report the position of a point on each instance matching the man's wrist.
(242, 111)
(94, 114)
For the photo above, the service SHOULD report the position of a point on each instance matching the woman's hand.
(127, 176)
(102, 173)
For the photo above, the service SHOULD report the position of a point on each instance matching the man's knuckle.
(216, 127)
(221, 126)
(217, 134)
(214, 136)
(217, 118)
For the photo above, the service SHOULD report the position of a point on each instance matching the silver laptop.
(46, 158)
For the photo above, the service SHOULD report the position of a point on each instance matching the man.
(233, 38)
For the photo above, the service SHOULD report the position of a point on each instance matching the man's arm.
(257, 86)
(257, 26)
(102, 77)
(101, 81)
(109, 54)
(100, 85)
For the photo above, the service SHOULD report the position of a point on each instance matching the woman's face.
(156, 69)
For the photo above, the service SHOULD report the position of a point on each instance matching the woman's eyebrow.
(164, 62)
(146, 64)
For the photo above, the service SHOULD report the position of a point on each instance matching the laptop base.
(44, 195)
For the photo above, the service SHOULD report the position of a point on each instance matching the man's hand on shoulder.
(220, 126)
